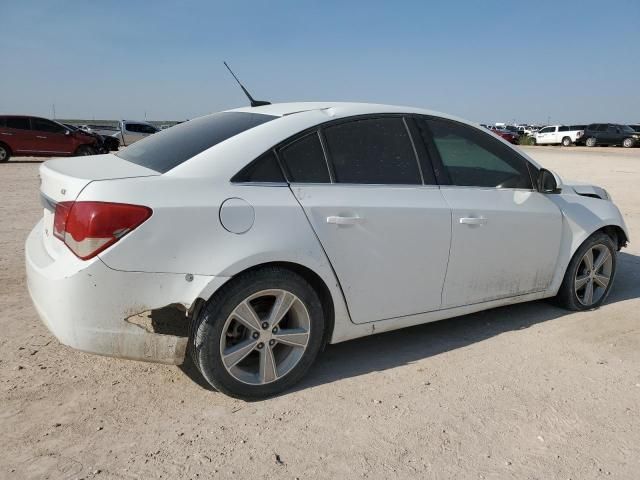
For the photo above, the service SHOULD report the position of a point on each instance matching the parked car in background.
(300, 236)
(565, 135)
(131, 131)
(22, 135)
(509, 136)
(610, 134)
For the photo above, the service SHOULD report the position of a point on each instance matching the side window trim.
(425, 159)
(442, 175)
(295, 138)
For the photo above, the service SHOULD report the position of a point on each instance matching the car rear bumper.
(89, 306)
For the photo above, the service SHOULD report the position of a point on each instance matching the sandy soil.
(527, 391)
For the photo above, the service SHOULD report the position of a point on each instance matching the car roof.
(292, 118)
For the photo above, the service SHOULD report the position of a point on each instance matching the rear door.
(386, 233)
(505, 235)
(18, 135)
(52, 138)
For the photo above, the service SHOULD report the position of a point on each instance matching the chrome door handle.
(343, 220)
(473, 220)
(40, 136)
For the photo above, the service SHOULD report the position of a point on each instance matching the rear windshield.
(169, 148)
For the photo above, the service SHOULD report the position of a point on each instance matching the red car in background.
(506, 134)
(24, 135)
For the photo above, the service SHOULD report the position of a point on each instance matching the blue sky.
(487, 61)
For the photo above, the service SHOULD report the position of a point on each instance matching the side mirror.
(548, 182)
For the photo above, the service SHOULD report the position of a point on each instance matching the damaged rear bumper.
(93, 308)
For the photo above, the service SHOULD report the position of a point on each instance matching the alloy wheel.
(3, 154)
(265, 337)
(593, 275)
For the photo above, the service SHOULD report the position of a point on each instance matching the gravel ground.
(528, 391)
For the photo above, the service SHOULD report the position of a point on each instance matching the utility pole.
(53, 109)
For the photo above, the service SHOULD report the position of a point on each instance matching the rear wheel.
(628, 142)
(5, 153)
(590, 142)
(589, 276)
(566, 142)
(84, 150)
(259, 334)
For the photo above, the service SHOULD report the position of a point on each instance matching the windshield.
(628, 129)
(171, 147)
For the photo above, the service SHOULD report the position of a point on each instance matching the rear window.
(171, 147)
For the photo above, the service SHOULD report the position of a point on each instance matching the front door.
(52, 138)
(19, 136)
(386, 234)
(505, 235)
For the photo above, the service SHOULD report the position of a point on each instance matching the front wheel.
(589, 276)
(627, 142)
(84, 150)
(259, 334)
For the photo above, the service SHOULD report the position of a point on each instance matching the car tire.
(590, 142)
(580, 278)
(235, 356)
(84, 150)
(566, 142)
(628, 143)
(5, 153)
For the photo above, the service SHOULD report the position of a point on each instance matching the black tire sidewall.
(7, 154)
(567, 296)
(208, 328)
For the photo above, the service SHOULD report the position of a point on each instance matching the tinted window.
(264, 169)
(3, 122)
(171, 147)
(548, 130)
(627, 129)
(21, 123)
(42, 125)
(563, 128)
(613, 129)
(578, 127)
(374, 151)
(602, 127)
(304, 160)
(474, 158)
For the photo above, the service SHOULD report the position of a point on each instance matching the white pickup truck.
(559, 134)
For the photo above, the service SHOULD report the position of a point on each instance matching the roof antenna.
(254, 103)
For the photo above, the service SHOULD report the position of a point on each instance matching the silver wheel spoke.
(237, 353)
(588, 259)
(604, 256)
(246, 315)
(581, 281)
(588, 293)
(268, 372)
(283, 303)
(295, 337)
(601, 280)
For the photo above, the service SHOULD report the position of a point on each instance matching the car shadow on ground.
(400, 347)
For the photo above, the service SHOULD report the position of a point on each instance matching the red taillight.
(87, 228)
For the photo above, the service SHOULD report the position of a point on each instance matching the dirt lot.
(527, 391)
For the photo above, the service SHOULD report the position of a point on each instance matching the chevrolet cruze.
(251, 238)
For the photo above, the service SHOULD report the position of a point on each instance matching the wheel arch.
(7, 147)
(314, 279)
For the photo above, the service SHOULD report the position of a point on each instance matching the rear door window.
(171, 147)
(19, 123)
(304, 160)
(373, 151)
(265, 169)
(563, 128)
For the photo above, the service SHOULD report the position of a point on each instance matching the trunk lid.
(62, 180)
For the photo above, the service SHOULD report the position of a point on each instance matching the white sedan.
(254, 237)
